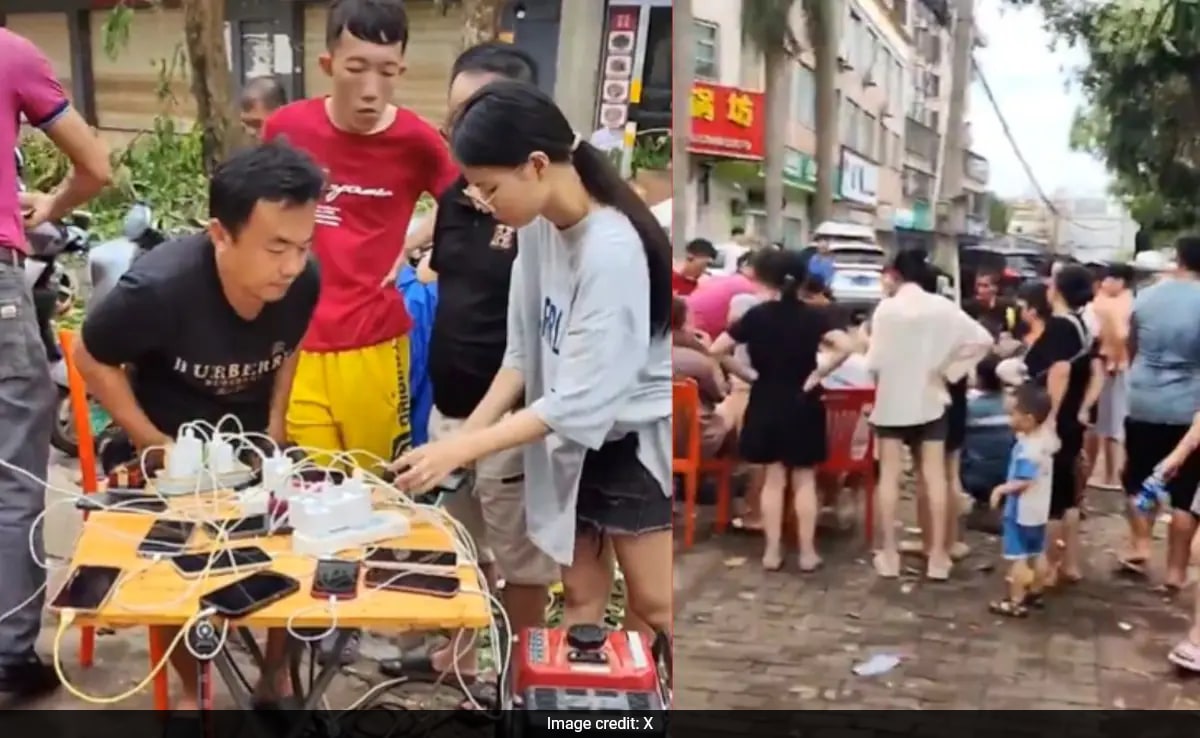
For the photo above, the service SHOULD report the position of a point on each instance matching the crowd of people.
(1002, 408)
(547, 357)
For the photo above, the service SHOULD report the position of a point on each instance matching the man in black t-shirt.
(989, 309)
(472, 256)
(209, 325)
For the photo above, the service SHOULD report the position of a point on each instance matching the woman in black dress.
(784, 426)
(1060, 358)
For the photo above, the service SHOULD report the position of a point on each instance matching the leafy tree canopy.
(1142, 90)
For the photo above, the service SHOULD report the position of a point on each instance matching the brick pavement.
(746, 639)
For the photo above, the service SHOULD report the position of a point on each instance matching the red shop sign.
(728, 122)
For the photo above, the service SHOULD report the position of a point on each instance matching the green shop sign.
(799, 170)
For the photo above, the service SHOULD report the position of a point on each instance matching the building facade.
(893, 92)
(122, 89)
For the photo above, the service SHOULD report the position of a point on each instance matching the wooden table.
(154, 595)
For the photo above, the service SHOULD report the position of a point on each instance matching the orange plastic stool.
(91, 484)
(689, 464)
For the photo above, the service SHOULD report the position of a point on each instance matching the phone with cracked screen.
(336, 578)
(413, 582)
(250, 594)
(411, 558)
(87, 589)
(166, 538)
(242, 558)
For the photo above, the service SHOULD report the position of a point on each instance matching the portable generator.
(591, 673)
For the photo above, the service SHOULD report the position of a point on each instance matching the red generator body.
(587, 668)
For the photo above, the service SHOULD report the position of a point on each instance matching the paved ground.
(746, 639)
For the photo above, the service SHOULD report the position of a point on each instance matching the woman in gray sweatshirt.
(585, 386)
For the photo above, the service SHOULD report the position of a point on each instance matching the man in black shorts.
(208, 326)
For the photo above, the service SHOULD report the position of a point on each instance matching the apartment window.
(897, 151)
(896, 99)
(866, 134)
(708, 65)
(804, 97)
(885, 149)
(847, 125)
(933, 85)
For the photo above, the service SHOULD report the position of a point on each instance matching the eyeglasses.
(482, 203)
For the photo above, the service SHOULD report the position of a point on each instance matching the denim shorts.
(1023, 541)
(618, 495)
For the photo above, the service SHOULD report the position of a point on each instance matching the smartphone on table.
(412, 558)
(87, 588)
(166, 538)
(121, 500)
(336, 578)
(251, 526)
(412, 582)
(250, 594)
(192, 565)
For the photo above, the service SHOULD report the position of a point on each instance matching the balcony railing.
(976, 168)
(921, 140)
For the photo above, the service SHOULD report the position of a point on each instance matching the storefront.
(913, 227)
(857, 188)
(727, 144)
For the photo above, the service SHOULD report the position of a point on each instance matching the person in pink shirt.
(709, 302)
(29, 90)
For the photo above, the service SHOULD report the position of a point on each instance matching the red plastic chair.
(845, 409)
(90, 483)
(691, 466)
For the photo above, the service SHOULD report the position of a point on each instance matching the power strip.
(381, 525)
(204, 482)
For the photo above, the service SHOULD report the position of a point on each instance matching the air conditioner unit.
(844, 61)
(921, 24)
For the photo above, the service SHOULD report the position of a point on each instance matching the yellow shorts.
(354, 401)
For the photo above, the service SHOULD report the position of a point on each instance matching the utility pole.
(951, 166)
(682, 76)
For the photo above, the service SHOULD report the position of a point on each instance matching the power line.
(1021, 156)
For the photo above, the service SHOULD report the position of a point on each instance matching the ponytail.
(789, 291)
(604, 183)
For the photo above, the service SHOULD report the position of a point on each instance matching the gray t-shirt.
(579, 332)
(1164, 378)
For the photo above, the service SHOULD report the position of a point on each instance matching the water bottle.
(1152, 494)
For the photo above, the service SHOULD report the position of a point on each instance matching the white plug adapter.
(220, 455)
(186, 459)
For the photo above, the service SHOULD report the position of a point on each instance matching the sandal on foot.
(739, 525)
(886, 566)
(1132, 565)
(1186, 655)
(1035, 601)
(1008, 608)
(812, 567)
(775, 566)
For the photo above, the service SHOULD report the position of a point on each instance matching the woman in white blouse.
(920, 342)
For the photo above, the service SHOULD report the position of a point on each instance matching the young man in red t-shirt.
(351, 387)
(698, 255)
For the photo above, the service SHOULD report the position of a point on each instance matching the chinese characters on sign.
(727, 122)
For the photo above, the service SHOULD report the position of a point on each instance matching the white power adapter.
(186, 458)
(276, 474)
(220, 455)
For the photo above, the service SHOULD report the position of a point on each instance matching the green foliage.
(1142, 90)
(999, 214)
(652, 150)
(163, 167)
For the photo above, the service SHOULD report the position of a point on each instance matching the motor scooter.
(107, 261)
